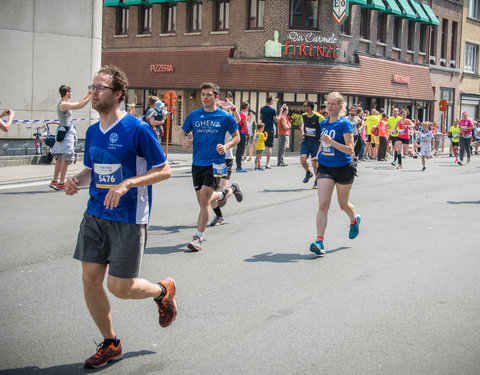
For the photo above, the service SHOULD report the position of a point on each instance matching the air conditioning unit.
(453, 63)
(432, 60)
(443, 62)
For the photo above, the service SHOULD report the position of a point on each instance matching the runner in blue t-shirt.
(205, 130)
(335, 169)
(122, 160)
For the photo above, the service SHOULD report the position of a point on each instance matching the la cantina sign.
(161, 68)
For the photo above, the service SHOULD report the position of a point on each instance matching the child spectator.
(260, 138)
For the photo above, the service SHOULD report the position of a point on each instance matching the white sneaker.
(196, 244)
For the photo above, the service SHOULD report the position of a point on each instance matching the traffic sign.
(170, 98)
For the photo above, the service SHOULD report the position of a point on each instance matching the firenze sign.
(307, 44)
(311, 45)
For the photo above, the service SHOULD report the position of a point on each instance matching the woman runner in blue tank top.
(335, 169)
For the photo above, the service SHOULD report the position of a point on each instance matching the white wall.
(47, 43)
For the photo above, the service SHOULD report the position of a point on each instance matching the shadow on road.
(288, 258)
(72, 368)
(18, 192)
(172, 229)
(463, 202)
(283, 190)
(180, 248)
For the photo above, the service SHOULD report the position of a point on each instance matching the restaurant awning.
(407, 11)
(373, 76)
(392, 8)
(359, 2)
(422, 17)
(433, 19)
(375, 4)
(113, 3)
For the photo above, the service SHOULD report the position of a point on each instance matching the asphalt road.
(402, 298)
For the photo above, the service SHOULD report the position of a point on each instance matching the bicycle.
(44, 140)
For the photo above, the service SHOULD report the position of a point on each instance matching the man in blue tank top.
(122, 160)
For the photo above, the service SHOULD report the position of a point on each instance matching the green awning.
(359, 2)
(169, 1)
(392, 8)
(136, 2)
(407, 11)
(375, 4)
(113, 3)
(433, 18)
(422, 17)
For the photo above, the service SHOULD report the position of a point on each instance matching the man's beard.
(102, 107)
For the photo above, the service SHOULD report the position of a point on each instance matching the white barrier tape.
(45, 121)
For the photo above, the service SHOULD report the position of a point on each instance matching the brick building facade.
(293, 50)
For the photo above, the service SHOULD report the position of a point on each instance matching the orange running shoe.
(104, 355)
(167, 308)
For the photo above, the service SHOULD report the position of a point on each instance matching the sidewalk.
(43, 172)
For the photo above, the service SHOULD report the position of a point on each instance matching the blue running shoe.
(354, 229)
(317, 247)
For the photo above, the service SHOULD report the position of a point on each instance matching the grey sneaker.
(237, 192)
(222, 202)
(308, 176)
(196, 244)
(217, 221)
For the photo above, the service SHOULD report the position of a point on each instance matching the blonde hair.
(337, 96)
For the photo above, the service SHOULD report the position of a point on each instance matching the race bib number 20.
(107, 175)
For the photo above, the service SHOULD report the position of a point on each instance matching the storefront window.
(222, 15)
(397, 32)
(256, 14)
(304, 14)
(471, 53)
(194, 16)
(122, 21)
(365, 23)
(169, 18)
(382, 28)
(145, 19)
(448, 95)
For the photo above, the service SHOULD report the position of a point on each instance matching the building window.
(443, 46)
(433, 41)
(411, 36)
(194, 16)
(471, 57)
(222, 15)
(122, 21)
(304, 14)
(346, 28)
(169, 18)
(423, 38)
(145, 19)
(453, 49)
(397, 32)
(365, 23)
(256, 14)
(382, 28)
(473, 11)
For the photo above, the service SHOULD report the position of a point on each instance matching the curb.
(173, 165)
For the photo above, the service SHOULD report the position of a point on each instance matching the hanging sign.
(340, 11)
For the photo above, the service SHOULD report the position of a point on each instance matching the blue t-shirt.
(126, 149)
(268, 113)
(209, 129)
(328, 155)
